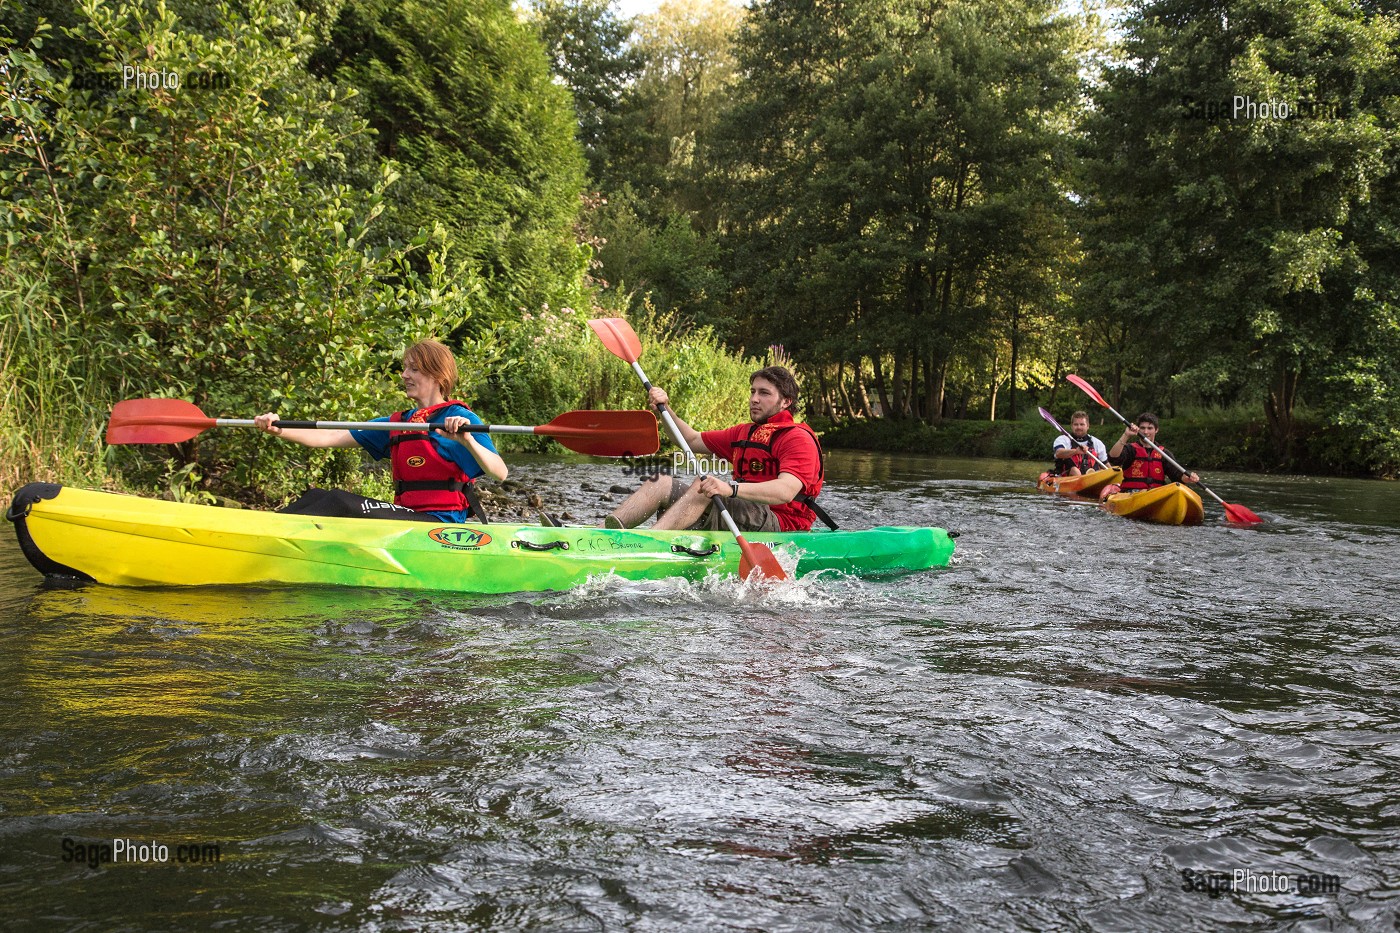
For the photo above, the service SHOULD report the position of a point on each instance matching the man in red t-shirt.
(777, 464)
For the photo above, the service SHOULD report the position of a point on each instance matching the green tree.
(666, 259)
(655, 226)
(1235, 233)
(184, 243)
(688, 68)
(459, 93)
(897, 176)
(592, 51)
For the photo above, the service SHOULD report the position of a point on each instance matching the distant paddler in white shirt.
(1072, 450)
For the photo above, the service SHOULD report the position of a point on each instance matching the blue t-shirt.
(376, 444)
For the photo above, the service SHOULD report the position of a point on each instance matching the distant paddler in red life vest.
(1072, 450)
(433, 472)
(777, 469)
(1143, 467)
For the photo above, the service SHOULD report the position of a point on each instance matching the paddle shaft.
(1235, 513)
(679, 438)
(1088, 450)
(364, 425)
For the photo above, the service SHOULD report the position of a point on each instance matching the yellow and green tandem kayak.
(131, 541)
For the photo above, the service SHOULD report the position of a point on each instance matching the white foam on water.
(822, 590)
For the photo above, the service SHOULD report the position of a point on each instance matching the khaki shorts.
(749, 516)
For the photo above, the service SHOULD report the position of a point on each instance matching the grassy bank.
(1206, 441)
(51, 413)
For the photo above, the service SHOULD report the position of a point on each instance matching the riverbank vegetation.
(1203, 440)
(936, 211)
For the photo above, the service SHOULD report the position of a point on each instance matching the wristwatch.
(733, 490)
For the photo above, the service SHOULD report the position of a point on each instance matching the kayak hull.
(1172, 504)
(132, 541)
(1087, 486)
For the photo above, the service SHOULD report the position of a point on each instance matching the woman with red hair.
(434, 472)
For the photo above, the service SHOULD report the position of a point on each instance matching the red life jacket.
(760, 466)
(1081, 458)
(1147, 471)
(425, 480)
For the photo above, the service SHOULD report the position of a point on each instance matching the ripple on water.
(1042, 736)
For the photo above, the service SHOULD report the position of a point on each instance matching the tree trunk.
(897, 378)
(846, 400)
(861, 398)
(862, 393)
(842, 396)
(918, 377)
(824, 400)
(1015, 348)
(1278, 408)
(992, 409)
(934, 403)
(880, 388)
(911, 400)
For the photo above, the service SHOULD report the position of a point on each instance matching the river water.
(1084, 723)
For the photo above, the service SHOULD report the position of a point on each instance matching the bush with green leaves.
(186, 241)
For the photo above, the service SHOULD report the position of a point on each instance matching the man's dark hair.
(1079, 414)
(1149, 418)
(782, 381)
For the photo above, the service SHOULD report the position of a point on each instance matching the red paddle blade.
(155, 421)
(618, 336)
(759, 559)
(1241, 515)
(1088, 389)
(605, 433)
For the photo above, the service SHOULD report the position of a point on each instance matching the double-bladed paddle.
(1235, 513)
(619, 337)
(598, 433)
(1088, 448)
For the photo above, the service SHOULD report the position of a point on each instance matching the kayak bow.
(1172, 504)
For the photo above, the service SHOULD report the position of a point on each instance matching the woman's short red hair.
(435, 361)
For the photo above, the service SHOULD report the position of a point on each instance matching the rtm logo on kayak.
(462, 539)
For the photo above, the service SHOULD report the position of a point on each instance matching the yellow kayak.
(1172, 504)
(1086, 486)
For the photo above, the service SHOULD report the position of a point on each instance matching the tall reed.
(51, 413)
